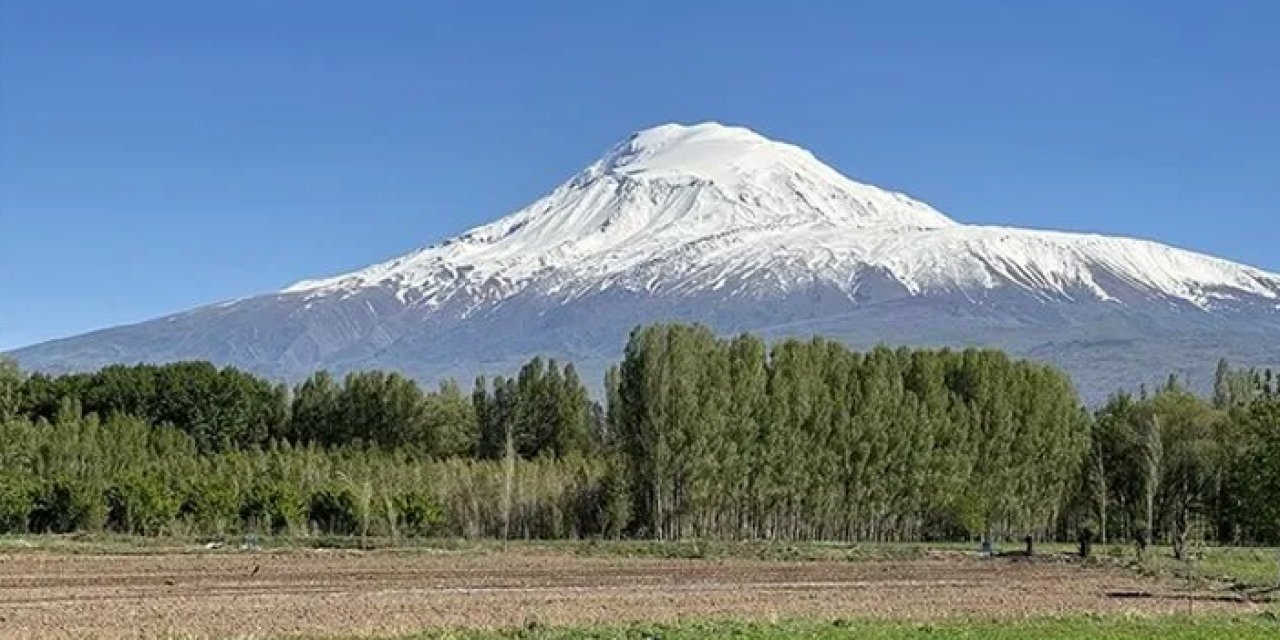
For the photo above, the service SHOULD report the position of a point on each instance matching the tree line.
(809, 440)
(223, 409)
(83, 473)
(1172, 466)
(695, 436)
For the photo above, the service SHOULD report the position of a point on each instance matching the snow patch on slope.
(685, 209)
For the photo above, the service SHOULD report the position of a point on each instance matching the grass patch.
(1243, 566)
(1246, 567)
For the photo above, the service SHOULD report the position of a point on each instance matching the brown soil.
(336, 592)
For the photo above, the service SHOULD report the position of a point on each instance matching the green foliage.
(385, 410)
(495, 415)
(219, 408)
(140, 504)
(82, 474)
(1175, 467)
(334, 510)
(546, 409)
(11, 381)
(1254, 481)
(315, 415)
(211, 503)
(450, 422)
(226, 409)
(419, 513)
(16, 502)
(379, 408)
(273, 507)
(615, 500)
(64, 504)
(813, 441)
(701, 438)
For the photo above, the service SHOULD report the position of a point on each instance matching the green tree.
(315, 415)
(384, 409)
(1253, 479)
(573, 414)
(11, 383)
(451, 421)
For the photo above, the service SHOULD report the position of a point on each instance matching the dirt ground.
(340, 592)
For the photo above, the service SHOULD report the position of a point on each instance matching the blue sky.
(155, 156)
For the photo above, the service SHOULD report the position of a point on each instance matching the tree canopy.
(698, 436)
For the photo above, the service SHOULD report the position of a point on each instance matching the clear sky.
(156, 156)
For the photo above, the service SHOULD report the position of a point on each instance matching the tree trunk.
(1100, 489)
(508, 480)
(1154, 461)
(1181, 526)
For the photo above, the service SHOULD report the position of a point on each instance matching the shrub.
(419, 513)
(211, 504)
(334, 511)
(15, 504)
(141, 505)
(63, 505)
(272, 507)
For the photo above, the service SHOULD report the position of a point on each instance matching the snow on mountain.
(720, 225)
(692, 208)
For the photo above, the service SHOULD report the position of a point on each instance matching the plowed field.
(341, 592)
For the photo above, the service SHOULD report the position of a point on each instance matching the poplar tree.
(11, 380)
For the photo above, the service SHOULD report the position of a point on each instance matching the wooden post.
(1086, 542)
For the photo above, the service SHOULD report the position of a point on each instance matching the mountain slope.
(722, 225)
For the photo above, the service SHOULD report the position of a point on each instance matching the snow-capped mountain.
(722, 225)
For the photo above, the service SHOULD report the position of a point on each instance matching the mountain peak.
(709, 151)
(663, 187)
